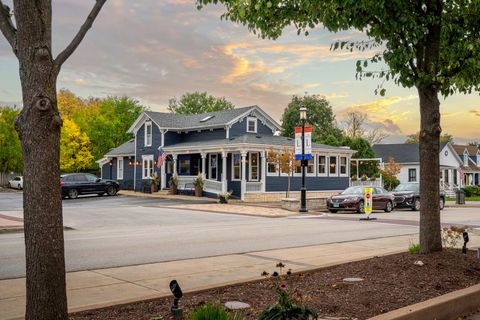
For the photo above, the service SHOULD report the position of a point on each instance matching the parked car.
(407, 195)
(351, 199)
(75, 184)
(16, 182)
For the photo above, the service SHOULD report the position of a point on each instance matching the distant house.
(470, 156)
(408, 157)
(228, 148)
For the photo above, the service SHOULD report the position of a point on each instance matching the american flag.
(162, 155)
(460, 171)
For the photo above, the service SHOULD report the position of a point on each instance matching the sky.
(156, 50)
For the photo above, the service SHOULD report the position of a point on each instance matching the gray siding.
(240, 128)
(203, 135)
(171, 137)
(141, 150)
(311, 183)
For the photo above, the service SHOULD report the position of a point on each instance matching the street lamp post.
(303, 190)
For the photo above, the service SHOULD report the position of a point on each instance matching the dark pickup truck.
(407, 195)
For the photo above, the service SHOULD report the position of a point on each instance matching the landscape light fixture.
(465, 240)
(303, 190)
(176, 311)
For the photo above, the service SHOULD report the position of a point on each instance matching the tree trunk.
(39, 126)
(430, 236)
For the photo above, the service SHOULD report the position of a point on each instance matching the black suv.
(407, 195)
(74, 184)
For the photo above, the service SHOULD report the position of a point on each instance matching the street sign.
(368, 200)
(308, 143)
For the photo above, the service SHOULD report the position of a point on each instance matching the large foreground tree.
(431, 45)
(38, 127)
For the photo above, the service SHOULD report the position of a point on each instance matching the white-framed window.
(184, 166)
(252, 124)
(147, 166)
(213, 169)
(253, 162)
(322, 165)
(310, 168)
(343, 166)
(272, 169)
(236, 166)
(148, 134)
(332, 165)
(412, 175)
(120, 169)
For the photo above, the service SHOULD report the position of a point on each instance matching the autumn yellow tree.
(389, 173)
(285, 161)
(75, 154)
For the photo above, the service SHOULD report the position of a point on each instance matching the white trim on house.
(210, 166)
(254, 120)
(250, 166)
(149, 159)
(147, 141)
(330, 174)
(347, 162)
(325, 164)
(261, 115)
(120, 168)
(239, 166)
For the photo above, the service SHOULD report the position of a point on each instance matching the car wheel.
(19, 187)
(333, 211)
(101, 194)
(388, 207)
(416, 205)
(73, 193)
(442, 204)
(111, 190)
(361, 208)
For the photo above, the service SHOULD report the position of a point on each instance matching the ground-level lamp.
(303, 190)
(176, 310)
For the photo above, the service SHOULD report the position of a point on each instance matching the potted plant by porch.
(154, 182)
(223, 197)
(198, 183)
(174, 184)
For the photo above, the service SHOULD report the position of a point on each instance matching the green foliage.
(74, 148)
(414, 248)
(471, 191)
(11, 149)
(198, 102)
(287, 309)
(390, 182)
(319, 114)
(213, 312)
(414, 138)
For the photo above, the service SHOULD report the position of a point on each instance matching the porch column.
(163, 176)
(174, 157)
(224, 171)
(243, 188)
(264, 170)
(204, 165)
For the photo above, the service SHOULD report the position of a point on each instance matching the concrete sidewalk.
(9, 224)
(106, 287)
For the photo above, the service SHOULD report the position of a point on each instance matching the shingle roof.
(179, 121)
(401, 152)
(252, 139)
(128, 148)
(459, 149)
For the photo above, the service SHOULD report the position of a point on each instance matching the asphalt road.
(119, 231)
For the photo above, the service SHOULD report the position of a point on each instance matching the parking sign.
(368, 200)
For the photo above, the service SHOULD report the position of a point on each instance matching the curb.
(446, 307)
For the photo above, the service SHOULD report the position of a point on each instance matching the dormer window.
(148, 134)
(465, 158)
(252, 125)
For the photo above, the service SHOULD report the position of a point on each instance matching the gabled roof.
(173, 121)
(252, 139)
(460, 149)
(401, 152)
(126, 149)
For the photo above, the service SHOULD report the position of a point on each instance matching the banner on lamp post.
(308, 143)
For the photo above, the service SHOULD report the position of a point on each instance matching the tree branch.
(7, 27)
(67, 52)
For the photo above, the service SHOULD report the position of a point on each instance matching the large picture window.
(184, 166)
(412, 175)
(236, 166)
(147, 166)
(343, 165)
(253, 159)
(148, 134)
(322, 165)
(332, 165)
(120, 169)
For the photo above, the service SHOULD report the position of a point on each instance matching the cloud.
(474, 112)
(79, 82)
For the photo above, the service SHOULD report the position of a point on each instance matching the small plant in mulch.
(414, 248)
(290, 303)
(451, 236)
(209, 311)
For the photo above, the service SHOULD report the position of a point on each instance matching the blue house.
(229, 149)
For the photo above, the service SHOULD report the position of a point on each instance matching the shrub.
(213, 312)
(414, 248)
(198, 181)
(390, 182)
(471, 191)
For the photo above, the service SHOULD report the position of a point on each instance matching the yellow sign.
(368, 200)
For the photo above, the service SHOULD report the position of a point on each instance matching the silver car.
(16, 182)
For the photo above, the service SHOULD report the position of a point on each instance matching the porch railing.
(254, 187)
(212, 186)
(183, 180)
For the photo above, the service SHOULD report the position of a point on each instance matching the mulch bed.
(390, 282)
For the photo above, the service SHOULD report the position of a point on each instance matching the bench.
(188, 188)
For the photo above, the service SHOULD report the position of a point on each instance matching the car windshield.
(353, 191)
(407, 187)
